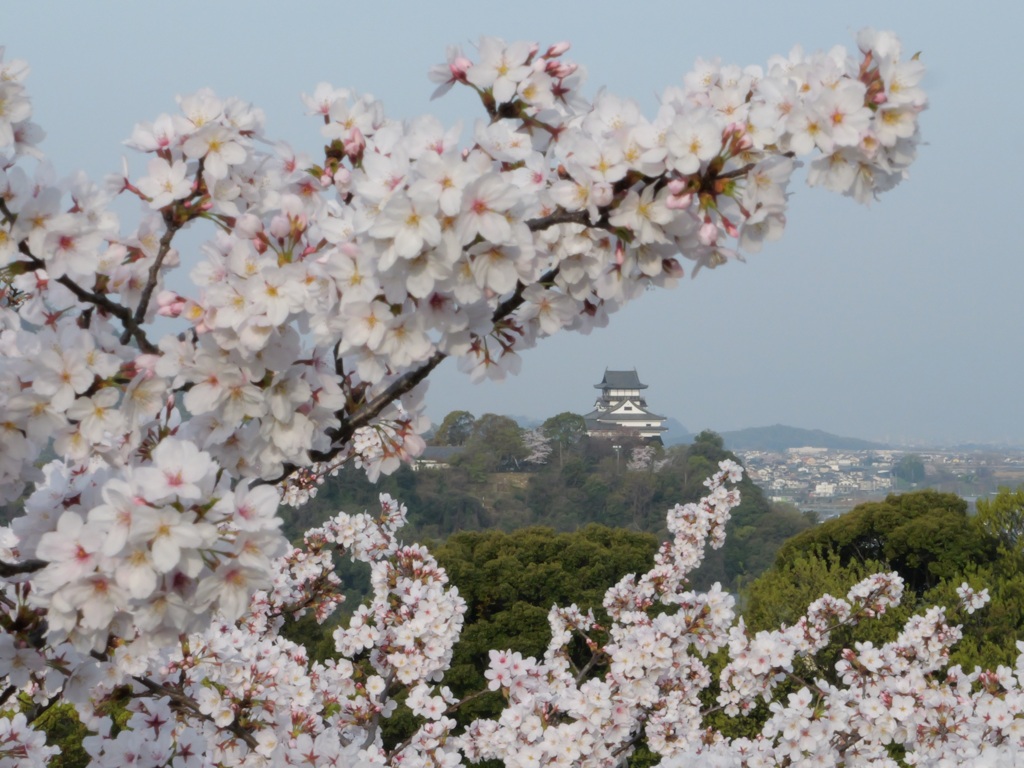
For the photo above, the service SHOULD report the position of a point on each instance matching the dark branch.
(131, 327)
(122, 313)
(451, 708)
(371, 732)
(186, 702)
(14, 569)
(408, 381)
(560, 217)
(154, 273)
(403, 384)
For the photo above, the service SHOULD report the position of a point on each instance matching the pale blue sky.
(900, 321)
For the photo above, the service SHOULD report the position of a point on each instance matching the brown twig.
(154, 273)
(27, 566)
(186, 702)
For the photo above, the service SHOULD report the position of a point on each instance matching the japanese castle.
(621, 411)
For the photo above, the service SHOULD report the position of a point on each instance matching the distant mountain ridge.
(780, 437)
(676, 433)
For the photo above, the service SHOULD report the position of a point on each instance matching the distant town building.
(621, 411)
(436, 457)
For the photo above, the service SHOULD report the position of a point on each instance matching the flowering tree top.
(327, 291)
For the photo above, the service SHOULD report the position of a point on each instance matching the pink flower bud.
(342, 178)
(354, 143)
(708, 234)
(733, 129)
(557, 49)
(280, 226)
(560, 69)
(170, 304)
(147, 363)
(458, 68)
(166, 298)
(679, 202)
(677, 186)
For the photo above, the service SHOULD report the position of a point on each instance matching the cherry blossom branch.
(122, 313)
(595, 659)
(631, 742)
(371, 731)
(154, 273)
(314, 594)
(131, 327)
(131, 324)
(409, 380)
(451, 709)
(14, 569)
(186, 702)
(561, 217)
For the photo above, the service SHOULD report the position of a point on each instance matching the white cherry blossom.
(148, 564)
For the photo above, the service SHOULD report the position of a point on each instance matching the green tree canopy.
(511, 580)
(496, 443)
(566, 429)
(455, 429)
(1003, 517)
(926, 536)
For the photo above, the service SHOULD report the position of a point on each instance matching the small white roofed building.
(621, 410)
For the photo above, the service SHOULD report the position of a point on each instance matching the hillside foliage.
(583, 481)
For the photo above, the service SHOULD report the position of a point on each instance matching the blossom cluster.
(332, 286)
(237, 693)
(150, 432)
(330, 282)
(149, 550)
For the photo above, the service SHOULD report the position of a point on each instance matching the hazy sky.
(901, 321)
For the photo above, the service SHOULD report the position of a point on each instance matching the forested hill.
(488, 482)
(780, 437)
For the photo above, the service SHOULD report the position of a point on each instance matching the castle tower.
(621, 410)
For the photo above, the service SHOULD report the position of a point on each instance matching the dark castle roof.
(620, 380)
